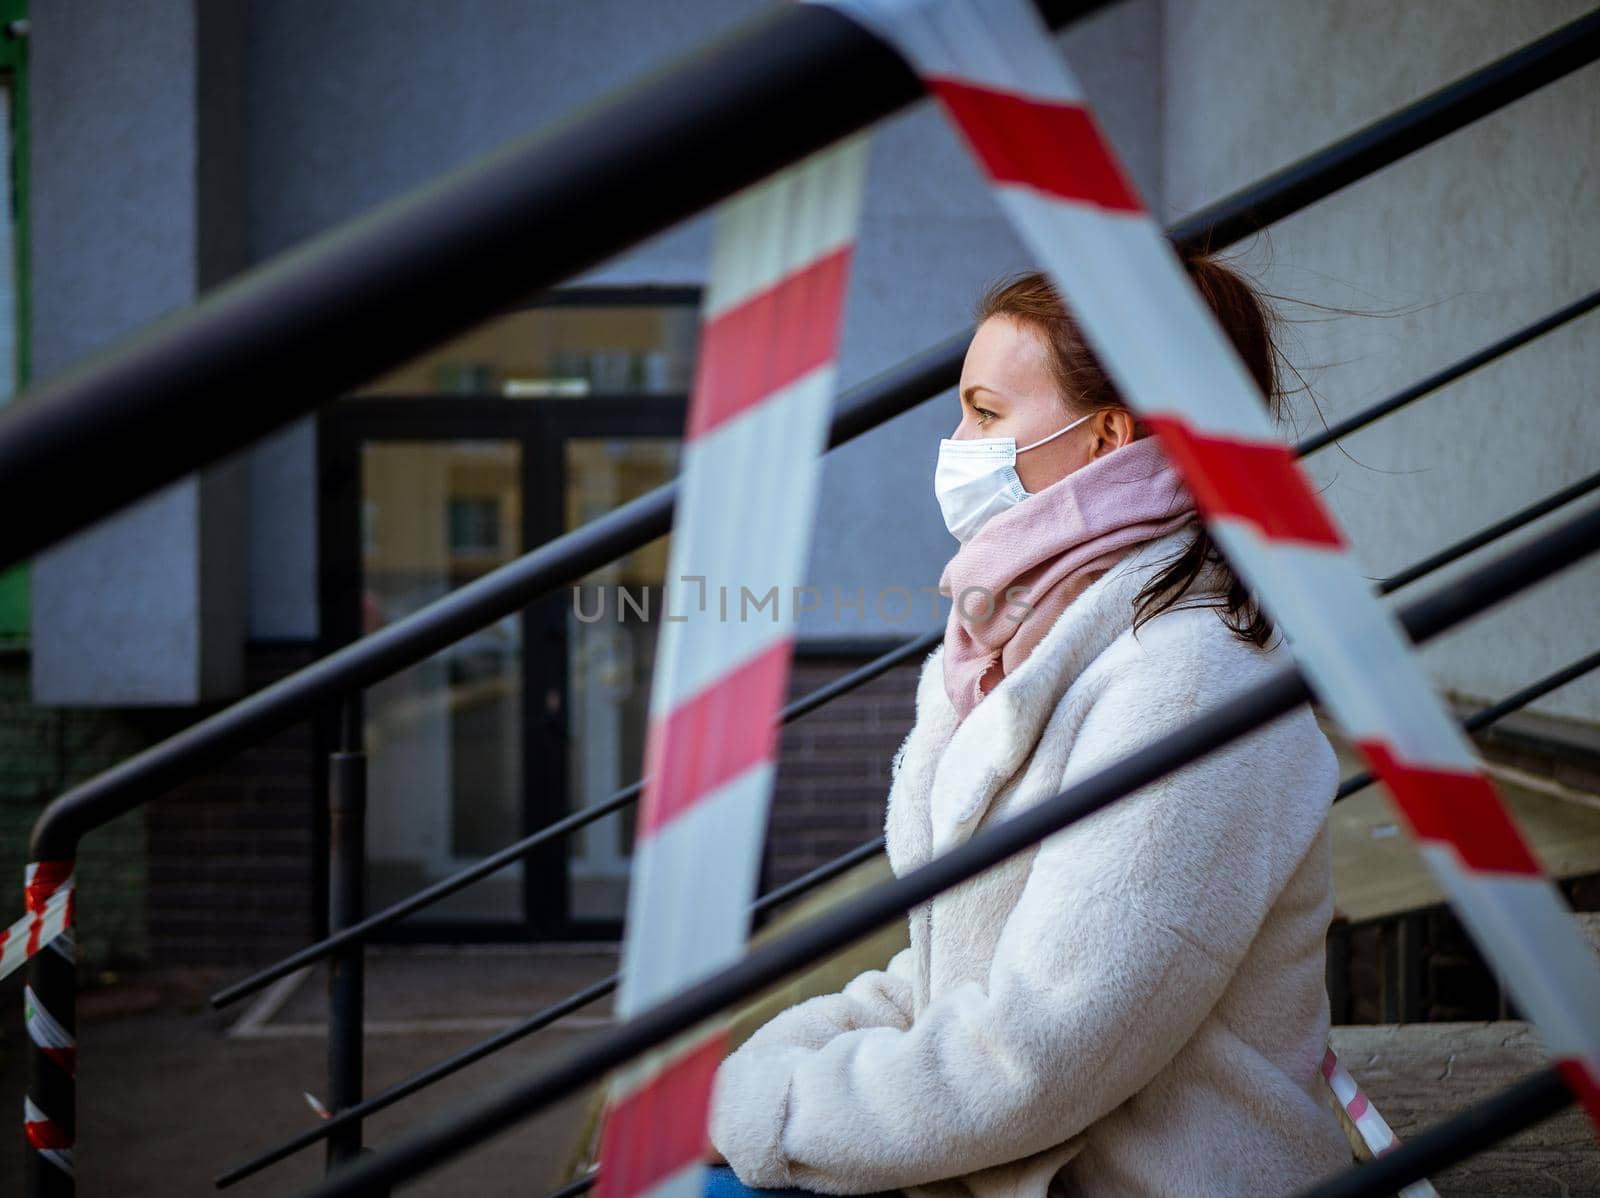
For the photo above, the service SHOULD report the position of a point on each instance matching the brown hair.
(1249, 323)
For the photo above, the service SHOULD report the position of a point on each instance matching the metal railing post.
(347, 859)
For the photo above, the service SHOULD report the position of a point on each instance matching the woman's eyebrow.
(971, 387)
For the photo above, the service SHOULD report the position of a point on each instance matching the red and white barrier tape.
(46, 1137)
(1374, 1130)
(1000, 76)
(47, 899)
(758, 422)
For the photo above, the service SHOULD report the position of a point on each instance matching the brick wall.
(232, 867)
(833, 766)
(218, 871)
(45, 751)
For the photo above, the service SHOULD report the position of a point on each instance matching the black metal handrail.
(416, 636)
(1451, 373)
(1485, 716)
(1404, 131)
(521, 848)
(447, 1136)
(382, 288)
(1498, 1117)
(514, 1032)
(1493, 532)
(1478, 720)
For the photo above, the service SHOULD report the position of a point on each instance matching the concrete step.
(1419, 1074)
(1377, 871)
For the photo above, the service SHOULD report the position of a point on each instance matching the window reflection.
(565, 350)
(443, 737)
(610, 662)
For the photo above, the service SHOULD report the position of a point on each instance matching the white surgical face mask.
(977, 478)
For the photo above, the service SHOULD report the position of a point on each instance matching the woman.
(1136, 1006)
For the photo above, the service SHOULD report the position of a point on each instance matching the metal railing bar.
(426, 896)
(446, 886)
(512, 586)
(1451, 373)
(511, 1034)
(433, 263)
(474, 605)
(1404, 131)
(577, 1185)
(416, 636)
(518, 849)
(448, 1135)
(417, 1081)
(1476, 721)
(861, 675)
(1514, 1109)
(438, 260)
(1492, 533)
(823, 873)
(1485, 716)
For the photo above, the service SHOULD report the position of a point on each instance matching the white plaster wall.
(1453, 247)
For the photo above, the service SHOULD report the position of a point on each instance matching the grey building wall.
(345, 106)
(1455, 246)
(134, 211)
(354, 103)
(932, 237)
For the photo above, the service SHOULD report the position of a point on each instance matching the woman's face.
(1007, 390)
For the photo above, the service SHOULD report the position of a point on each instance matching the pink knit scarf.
(1026, 564)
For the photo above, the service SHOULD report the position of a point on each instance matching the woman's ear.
(1113, 428)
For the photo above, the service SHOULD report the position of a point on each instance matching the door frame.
(542, 428)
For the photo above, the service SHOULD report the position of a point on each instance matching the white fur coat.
(1134, 1007)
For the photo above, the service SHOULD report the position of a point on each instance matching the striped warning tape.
(48, 898)
(1374, 1130)
(757, 425)
(1001, 78)
(46, 1137)
(47, 892)
(51, 1138)
(53, 1039)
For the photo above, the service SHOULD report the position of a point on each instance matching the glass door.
(443, 738)
(592, 655)
(521, 723)
(534, 424)
(611, 628)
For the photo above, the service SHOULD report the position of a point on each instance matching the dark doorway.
(542, 713)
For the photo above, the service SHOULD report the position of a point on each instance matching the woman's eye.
(984, 415)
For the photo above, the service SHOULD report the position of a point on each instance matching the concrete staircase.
(1419, 1074)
